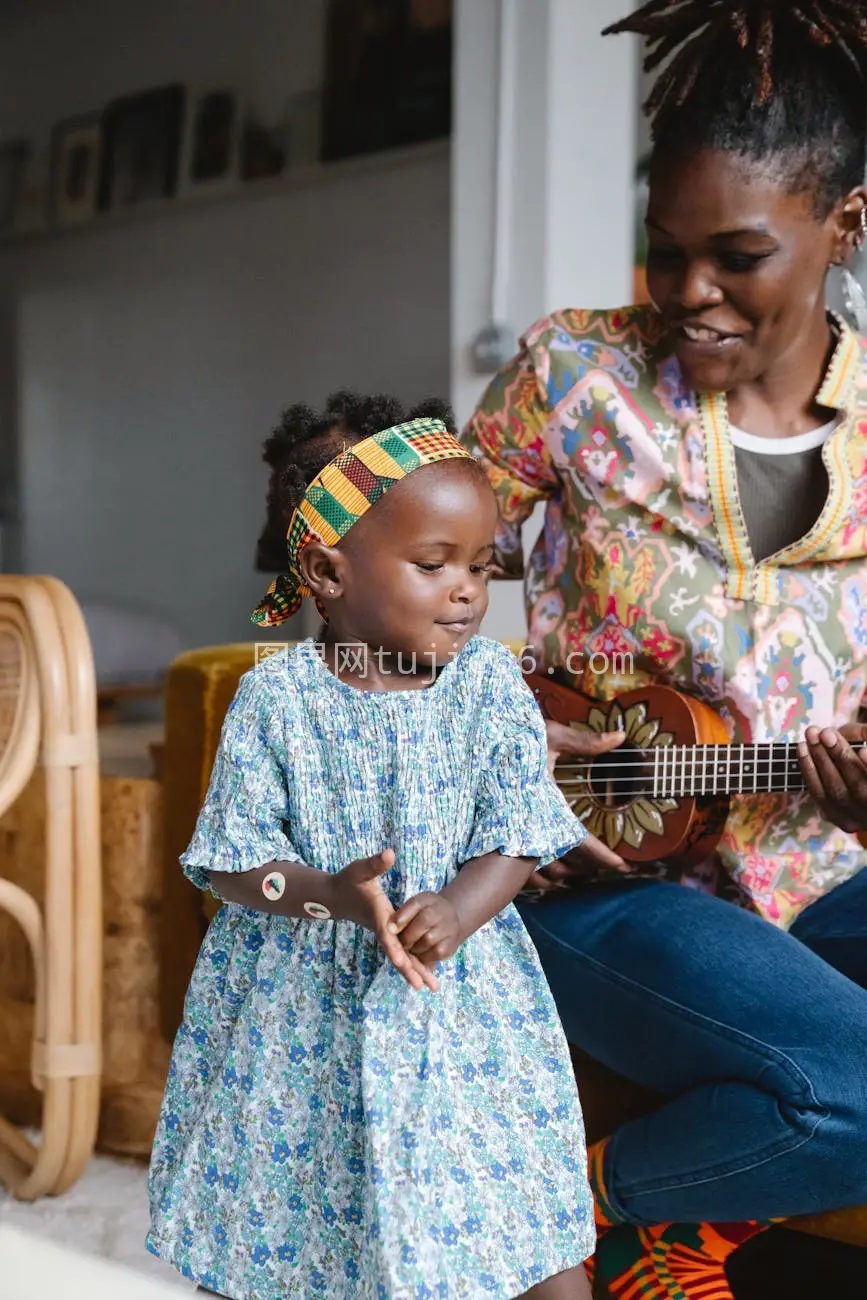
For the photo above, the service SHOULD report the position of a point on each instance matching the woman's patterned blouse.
(643, 571)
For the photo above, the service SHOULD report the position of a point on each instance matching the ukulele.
(664, 793)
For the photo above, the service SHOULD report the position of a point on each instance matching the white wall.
(569, 201)
(142, 365)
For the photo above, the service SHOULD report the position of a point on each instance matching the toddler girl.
(370, 1096)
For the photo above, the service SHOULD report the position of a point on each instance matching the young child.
(370, 1096)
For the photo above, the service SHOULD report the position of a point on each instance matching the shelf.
(288, 182)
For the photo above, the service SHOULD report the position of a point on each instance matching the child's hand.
(429, 928)
(359, 897)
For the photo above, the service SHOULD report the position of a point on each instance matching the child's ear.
(322, 568)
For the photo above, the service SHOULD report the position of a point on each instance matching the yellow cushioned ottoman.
(199, 689)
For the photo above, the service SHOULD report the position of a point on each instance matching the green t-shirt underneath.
(782, 484)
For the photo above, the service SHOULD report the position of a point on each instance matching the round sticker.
(317, 910)
(274, 886)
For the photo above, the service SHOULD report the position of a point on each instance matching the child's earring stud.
(331, 591)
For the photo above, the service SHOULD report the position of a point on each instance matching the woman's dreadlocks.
(782, 81)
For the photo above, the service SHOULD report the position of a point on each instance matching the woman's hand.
(586, 860)
(578, 865)
(584, 744)
(836, 775)
(358, 896)
(429, 927)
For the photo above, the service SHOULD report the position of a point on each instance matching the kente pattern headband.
(344, 491)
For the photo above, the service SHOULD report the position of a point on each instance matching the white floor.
(104, 1217)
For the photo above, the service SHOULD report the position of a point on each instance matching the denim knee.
(837, 1153)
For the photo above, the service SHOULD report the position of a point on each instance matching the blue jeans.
(759, 1038)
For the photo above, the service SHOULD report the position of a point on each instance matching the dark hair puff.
(305, 441)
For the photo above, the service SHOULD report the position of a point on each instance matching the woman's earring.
(855, 301)
(853, 294)
(331, 591)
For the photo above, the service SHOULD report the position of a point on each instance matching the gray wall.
(143, 364)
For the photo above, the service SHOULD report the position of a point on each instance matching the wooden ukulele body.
(613, 794)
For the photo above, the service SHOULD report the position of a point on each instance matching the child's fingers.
(424, 970)
(403, 964)
(429, 952)
(376, 865)
(365, 870)
(409, 911)
(418, 929)
(412, 970)
(428, 939)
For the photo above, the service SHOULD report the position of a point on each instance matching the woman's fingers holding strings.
(581, 863)
(563, 740)
(835, 775)
(539, 885)
(557, 874)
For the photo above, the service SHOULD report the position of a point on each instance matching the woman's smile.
(695, 340)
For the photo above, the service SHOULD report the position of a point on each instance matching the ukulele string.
(740, 754)
(683, 774)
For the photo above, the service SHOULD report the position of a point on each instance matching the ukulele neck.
(688, 771)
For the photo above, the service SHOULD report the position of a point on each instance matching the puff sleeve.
(507, 435)
(243, 821)
(520, 811)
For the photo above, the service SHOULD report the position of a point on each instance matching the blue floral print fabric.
(326, 1130)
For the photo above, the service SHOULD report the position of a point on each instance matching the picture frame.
(75, 162)
(388, 75)
(13, 161)
(32, 208)
(141, 149)
(210, 160)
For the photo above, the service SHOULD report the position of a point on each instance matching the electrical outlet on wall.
(492, 347)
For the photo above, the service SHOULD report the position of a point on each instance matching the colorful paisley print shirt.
(644, 559)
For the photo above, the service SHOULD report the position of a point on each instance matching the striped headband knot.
(343, 492)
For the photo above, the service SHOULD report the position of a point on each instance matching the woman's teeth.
(696, 335)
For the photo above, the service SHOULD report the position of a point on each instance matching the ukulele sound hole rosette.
(613, 794)
(619, 778)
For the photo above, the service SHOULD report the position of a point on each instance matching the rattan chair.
(48, 717)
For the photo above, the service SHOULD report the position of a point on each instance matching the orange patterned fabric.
(678, 1261)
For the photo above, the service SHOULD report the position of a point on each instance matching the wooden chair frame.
(55, 726)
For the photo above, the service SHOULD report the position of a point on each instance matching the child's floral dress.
(326, 1130)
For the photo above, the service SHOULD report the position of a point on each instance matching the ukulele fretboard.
(687, 771)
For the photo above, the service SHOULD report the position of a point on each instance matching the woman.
(704, 465)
